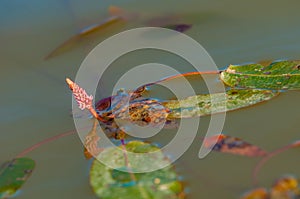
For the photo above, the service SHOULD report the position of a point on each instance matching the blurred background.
(36, 103)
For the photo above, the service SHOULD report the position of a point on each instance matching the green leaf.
(13, 174)
(281, 75)
(109, 183)
(201, 105)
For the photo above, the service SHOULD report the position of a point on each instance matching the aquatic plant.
(249, 85)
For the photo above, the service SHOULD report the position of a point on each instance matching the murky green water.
(36, 103)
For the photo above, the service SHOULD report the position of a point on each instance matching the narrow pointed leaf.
(276, 76)
(68, 44)
(13, 174)
(111, 183)
(201, 105)
(228, 144)
(179, 27)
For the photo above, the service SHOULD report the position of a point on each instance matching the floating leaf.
(147, 111)
(228, 144)
(179, 27)
(111, 183)
(83, 33)
(285, 188)
(201, 105)
(276, 76)
(13, 174)
(259, 193)
(143, 113)
(105, 103)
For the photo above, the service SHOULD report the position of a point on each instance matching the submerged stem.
(37, 145)
(127, 163)
(263, 161)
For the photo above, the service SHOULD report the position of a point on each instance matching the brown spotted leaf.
(228, 144)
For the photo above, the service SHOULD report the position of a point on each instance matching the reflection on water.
(35, 102)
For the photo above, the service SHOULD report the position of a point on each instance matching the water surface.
(36, 103)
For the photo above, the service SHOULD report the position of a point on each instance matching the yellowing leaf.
(259, 193)
(285, 188)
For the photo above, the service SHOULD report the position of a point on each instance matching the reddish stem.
(94, 113)
(37, 145)
(265, 159)
(132, 176)
(184, 75)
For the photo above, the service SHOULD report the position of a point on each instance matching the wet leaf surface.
(13, 174)
(206, 104)
(282, 75)
(112, 183)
